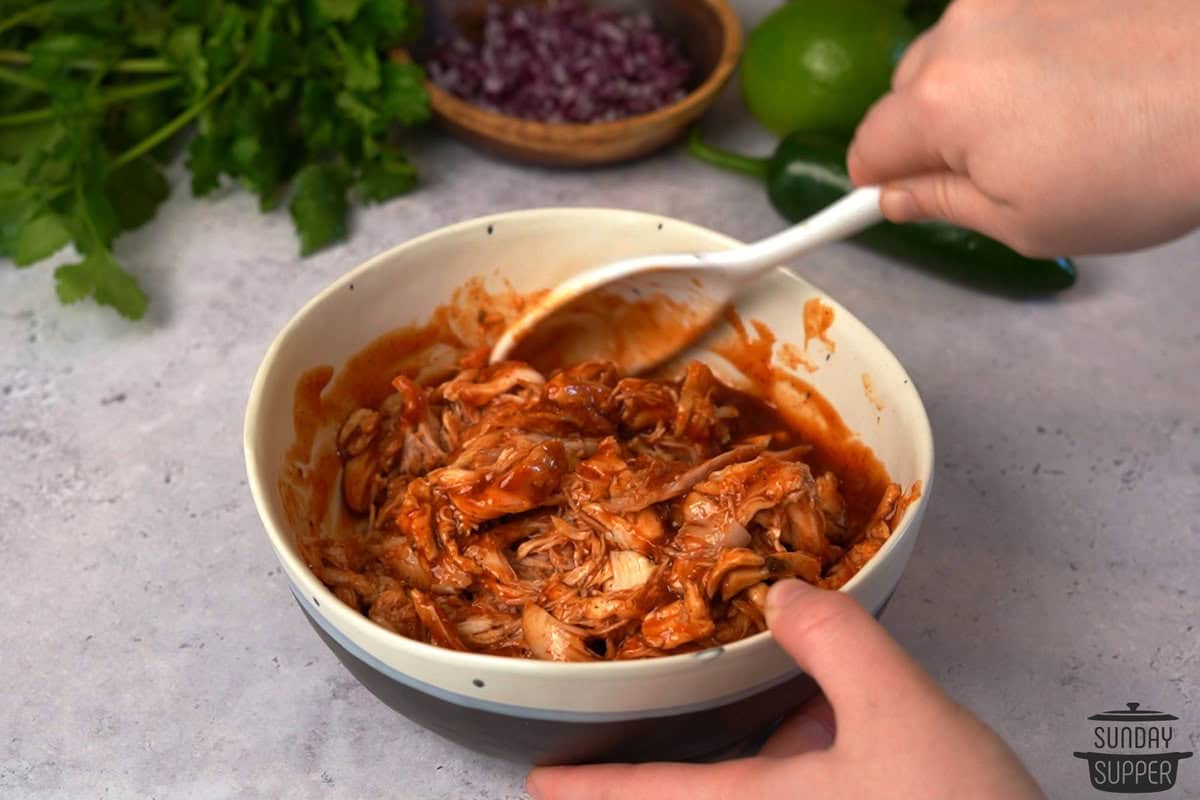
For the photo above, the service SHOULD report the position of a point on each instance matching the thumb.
(741, 778)
(946, 196)
(865, 674)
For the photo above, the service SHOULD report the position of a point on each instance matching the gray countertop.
(149, 647)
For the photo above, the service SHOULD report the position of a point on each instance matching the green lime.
(817, 65)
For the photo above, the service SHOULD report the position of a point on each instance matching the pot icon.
(1132, 751)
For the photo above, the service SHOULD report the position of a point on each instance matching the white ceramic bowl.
(673, 707)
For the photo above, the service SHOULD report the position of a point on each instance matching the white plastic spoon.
(640, 311)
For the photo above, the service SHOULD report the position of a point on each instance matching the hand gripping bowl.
(674, 707)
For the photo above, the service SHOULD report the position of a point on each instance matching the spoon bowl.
(638, 312)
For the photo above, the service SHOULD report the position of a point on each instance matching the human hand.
(886, 730)
(1060, 127)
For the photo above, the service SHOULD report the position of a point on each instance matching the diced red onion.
(564, 62)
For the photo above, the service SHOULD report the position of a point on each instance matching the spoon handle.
(850, 215)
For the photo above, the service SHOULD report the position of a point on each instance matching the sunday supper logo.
(1132, 751)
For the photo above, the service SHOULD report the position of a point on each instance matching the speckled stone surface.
(149, 646)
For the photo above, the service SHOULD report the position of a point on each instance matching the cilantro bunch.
(297, 100)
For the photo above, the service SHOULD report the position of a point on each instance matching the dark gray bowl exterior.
(728, 730)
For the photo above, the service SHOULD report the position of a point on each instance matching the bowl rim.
(462, 111)
(363, 626)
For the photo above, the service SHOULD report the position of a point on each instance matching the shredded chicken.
(582, 515)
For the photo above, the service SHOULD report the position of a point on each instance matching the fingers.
(866, 675)
(912, 60)
(942, 196)
(740, 778)
(891, 142)
(919, 181)
(810, 728)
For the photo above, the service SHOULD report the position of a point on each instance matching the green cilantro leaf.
(94, 222)
(386, 176)
(275, 48)
(101, 277)
(338, 10)
(94, 225)
(52, 52)
(17, 206)
(261, 152)
(362, 68)
(40, 237)
(198, 12)
(73, 282)
(204, 162)
(149, 24)
(318, 125)
(319, 206)
(361, 112)
(136, 120)
(285, 98)
(135, 191)
(185, 49)
(17, 141)
(227, 38)
(90, 9)
(402, 98)
(388, 21)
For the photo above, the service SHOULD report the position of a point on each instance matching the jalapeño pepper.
(807, 172)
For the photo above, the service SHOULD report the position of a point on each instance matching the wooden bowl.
(711, 36)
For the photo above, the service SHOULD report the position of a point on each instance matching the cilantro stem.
(144, 66)
(116, 95)
(22, 17)
(21, 79)
(339, 43)
(175, 125)
(25, 117)
(135, 65)
(134, 90)
(85, 212)
(349, 102)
